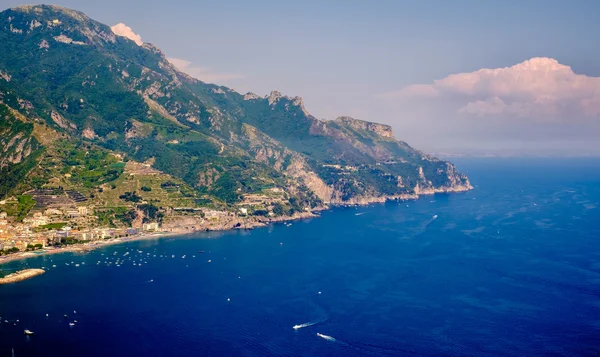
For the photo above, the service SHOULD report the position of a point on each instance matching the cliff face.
(385, 131)
(62, 69)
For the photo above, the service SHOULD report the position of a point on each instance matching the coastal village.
(59, 226)
(59, 220)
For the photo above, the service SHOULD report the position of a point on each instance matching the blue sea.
(511, 268)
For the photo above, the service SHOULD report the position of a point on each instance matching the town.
(55, 219)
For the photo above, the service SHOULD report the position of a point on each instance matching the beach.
(88, 246)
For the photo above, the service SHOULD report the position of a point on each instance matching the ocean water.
(511, 268)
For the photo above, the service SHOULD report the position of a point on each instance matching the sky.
(450, 77)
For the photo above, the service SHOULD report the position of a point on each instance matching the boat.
(28, 332)
(71, 324)
(435, 216)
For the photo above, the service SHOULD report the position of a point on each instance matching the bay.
(511, 268)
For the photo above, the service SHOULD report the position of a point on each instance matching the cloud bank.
(203, 73)
(123, 30)
(539, 88)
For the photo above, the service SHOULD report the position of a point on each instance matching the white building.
(52, 212)
(214, 214)
(153, 227)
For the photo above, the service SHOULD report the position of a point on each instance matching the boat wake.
(429, 221)
(296, 327)
(359, 214)
(311, 323)
(328, 338)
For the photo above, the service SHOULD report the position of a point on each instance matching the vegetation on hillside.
(111, 105)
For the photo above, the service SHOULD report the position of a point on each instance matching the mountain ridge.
(65, 72)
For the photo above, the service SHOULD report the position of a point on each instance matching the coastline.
(92, 245)
(233, 225)
(82, 247)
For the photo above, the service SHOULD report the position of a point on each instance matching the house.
(87, 236)
(39, 241)
(120, 232)
(72, 213)
(21, 245)
(106, 233)
(83, 211)
(212, 214)
(37, 220)
(62, 234)
(153, 226)
(52, 212)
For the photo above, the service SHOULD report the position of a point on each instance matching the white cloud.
(203, 73)
(539, 88)
(123, 30)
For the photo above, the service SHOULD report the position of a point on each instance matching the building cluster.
(65, 223)
(54, 227)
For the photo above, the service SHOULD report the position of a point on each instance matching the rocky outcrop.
(251, 96)
(385, 131)
(15, 148)
(5, 76)
(274, 97)
(367, 200)
(89, 133)
(67, 40)
(62, 122)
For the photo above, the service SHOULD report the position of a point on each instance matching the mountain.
(88, 111)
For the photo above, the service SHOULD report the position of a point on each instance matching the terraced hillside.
(88, 111)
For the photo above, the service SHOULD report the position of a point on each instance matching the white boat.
(28, 332)
(435, 216)
(71, 324)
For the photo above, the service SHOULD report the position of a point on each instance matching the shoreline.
(257, 223)
(93, 245)
(84, 247)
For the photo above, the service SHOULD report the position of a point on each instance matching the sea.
(511, 268)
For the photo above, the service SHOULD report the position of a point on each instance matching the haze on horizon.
(462, 77)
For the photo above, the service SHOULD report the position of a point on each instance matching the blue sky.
(358, 57)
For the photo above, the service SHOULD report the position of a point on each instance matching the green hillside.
(109, 101)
